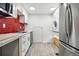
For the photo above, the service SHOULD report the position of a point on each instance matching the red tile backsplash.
(10, 25)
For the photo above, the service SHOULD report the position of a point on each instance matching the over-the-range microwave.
(8, 7)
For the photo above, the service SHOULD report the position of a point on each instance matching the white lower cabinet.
(24, 43)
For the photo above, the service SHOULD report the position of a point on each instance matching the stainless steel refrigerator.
(69, 29)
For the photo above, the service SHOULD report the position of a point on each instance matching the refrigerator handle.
(68, 22)
(66, 27)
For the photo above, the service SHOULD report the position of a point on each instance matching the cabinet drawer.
(24, 51)
(23, 46)
(24, 39)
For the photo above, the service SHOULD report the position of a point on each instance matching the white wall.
(21, 8)
(45, 22)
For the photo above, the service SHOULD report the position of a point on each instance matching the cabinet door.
(24, 44)
(27, 41)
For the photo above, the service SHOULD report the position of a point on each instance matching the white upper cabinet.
(23, 13)
(14, 12)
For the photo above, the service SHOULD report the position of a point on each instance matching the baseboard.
(41, 42)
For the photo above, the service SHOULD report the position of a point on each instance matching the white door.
(37, 34)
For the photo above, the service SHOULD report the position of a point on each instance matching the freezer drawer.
(65, 51)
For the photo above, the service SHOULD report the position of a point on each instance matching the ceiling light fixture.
(52, 9)
(32, 8)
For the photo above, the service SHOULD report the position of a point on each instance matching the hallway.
(41, 49)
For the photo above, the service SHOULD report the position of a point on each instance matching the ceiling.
(40, 8)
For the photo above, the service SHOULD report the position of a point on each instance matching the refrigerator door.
(65, 22)
(69, 28)
(75, 10)
(67, 51)
(62, 33)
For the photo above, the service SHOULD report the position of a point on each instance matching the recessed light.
(32, 8)
(52, 9)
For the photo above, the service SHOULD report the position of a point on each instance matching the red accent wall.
(10, 25)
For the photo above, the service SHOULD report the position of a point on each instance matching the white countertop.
(7, 38)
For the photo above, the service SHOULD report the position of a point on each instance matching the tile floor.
(41, 49)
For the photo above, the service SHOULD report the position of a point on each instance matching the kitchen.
(39, 29)
(27, 29)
